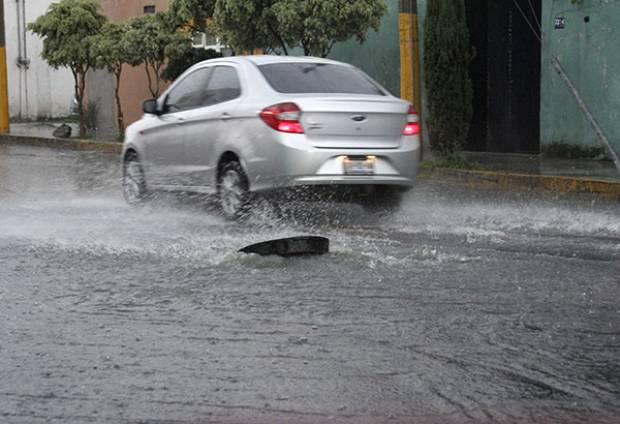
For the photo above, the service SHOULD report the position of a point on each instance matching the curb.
(484, 179)
(63, 143)
(498, 179)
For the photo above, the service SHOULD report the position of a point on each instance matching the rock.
(63, 131)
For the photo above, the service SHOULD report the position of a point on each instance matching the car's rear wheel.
(134, 183)
(233, 190)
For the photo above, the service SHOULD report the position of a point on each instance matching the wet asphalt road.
(463, 306)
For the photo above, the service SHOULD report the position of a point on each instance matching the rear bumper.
(352, 180)
(294, 163)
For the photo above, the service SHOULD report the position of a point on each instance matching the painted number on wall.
(558, 23)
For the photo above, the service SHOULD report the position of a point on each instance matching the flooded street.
(462, 306)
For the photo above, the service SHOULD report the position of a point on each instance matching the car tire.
(135, 191)
(233, 190)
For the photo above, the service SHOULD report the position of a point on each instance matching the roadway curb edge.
(64, 143)
(489, 179)
(502, 179)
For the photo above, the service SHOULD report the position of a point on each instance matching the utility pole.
(4, 94)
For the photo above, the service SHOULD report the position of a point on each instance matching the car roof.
(268, 59)
(265, 59)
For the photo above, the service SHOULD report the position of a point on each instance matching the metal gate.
(505, 74)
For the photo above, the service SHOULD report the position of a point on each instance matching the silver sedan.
(238, 125)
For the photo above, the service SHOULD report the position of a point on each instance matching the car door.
(210, 124)
(165, 146)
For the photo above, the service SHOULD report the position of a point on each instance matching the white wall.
(39, 91)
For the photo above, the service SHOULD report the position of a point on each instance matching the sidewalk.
(541, 165)
(41, 129)
(40, 134)
(500, 170)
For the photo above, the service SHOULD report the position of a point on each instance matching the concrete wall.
(134, 85)
(379, 55)
(36, 91)
(590, 54)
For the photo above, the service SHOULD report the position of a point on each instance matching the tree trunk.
(80, 86)
(150, 79)
(76, 93)
(119, 110)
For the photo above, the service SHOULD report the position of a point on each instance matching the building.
(133, 86)
(36, 91)
(521, 105)
(379, 56)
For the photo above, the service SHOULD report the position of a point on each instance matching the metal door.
(506, 75)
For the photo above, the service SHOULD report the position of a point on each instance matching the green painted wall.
(379, 55)
(590, 54)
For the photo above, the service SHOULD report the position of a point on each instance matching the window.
(223, 85)
(305, 77)
(149, 9)
(202, 40)
(190, 92)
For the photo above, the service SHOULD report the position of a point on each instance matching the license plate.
(362, 165)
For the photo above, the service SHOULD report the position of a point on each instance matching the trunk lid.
(353, 122)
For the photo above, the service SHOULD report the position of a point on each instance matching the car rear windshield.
(304, 77)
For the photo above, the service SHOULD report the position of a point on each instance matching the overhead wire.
(535, 15)
(536, 33)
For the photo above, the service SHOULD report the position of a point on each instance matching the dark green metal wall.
(589, 49)
(379, 55)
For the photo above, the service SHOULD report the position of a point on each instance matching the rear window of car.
(304, 77)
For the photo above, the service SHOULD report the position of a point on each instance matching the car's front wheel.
(134, 183)
(233, 190)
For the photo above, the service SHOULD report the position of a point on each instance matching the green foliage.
(182, 59)
(314, 25)
(91, 115)
(109, 49)
(67, 29)
(452, 161)
(447, 55)
(192, 14)
(148, 39)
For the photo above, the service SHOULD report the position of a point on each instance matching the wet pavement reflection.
(462, 306)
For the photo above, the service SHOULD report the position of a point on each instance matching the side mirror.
(150, 106)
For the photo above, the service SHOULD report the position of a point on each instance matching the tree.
(182, 57)
(279, 25)
(110, 52)
(147, 39)
(447, 55)
(192, 14)
(67, 29)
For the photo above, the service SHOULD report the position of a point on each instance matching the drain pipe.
(18, 62)
(23, 62)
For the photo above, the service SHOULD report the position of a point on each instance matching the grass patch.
(454, 161)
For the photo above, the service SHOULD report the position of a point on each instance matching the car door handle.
(180, 121)
(226, 116)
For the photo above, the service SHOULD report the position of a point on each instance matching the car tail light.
(283, 117)
(413, 126)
